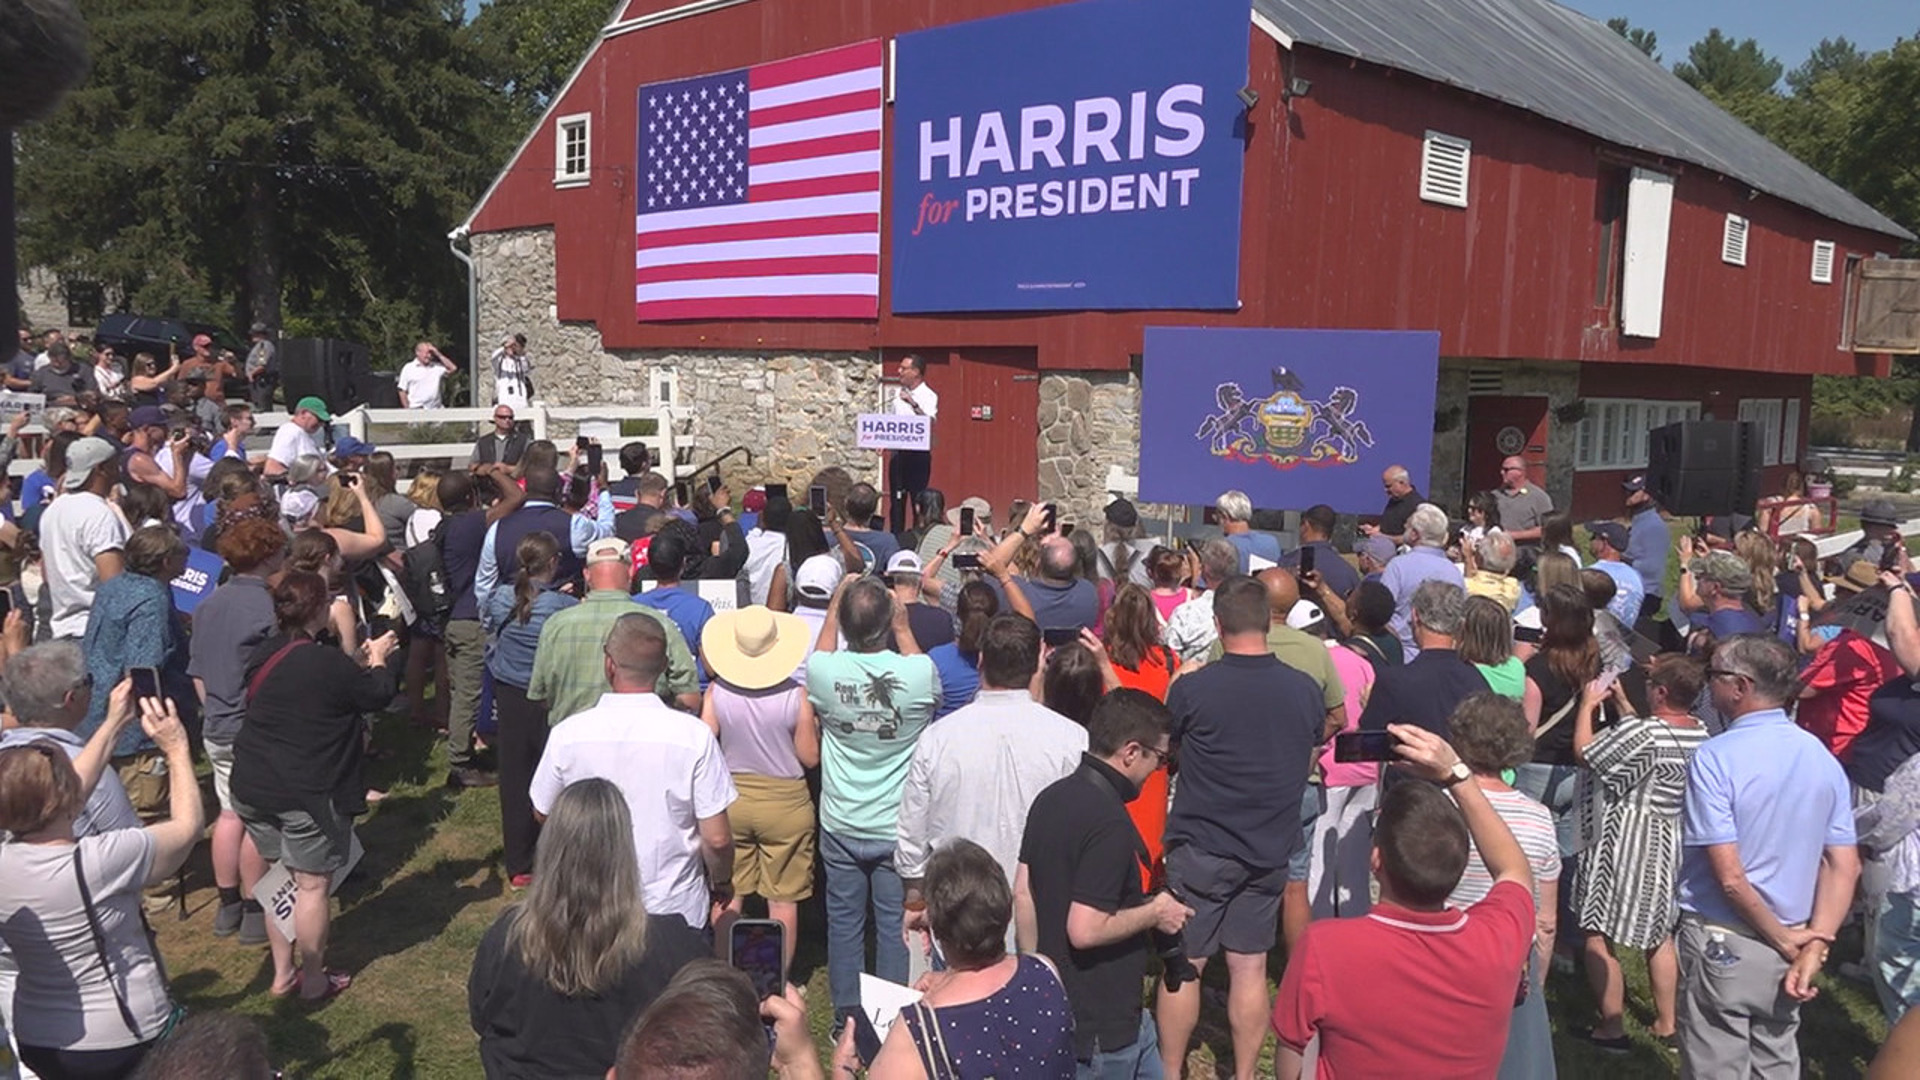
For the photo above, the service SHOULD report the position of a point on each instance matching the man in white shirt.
(975, 774)
(294, 440)
(82, 536)
(909, 471)
(512, 373)
(419, 381)
(668, 766)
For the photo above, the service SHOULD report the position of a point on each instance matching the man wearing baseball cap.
(295, 438)
(568, 673)
(146, 435)
(932, 626)
(1610, 543)
(1648, 542)
(81, 535)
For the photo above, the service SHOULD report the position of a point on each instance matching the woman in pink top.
(1343, 835)
(1168, 571)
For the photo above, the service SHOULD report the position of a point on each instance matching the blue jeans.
(861, 877)
(1554, 786)
(1896, 954)
(1141, 1061)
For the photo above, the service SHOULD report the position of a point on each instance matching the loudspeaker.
(379, 390)
(333, 371)
(1701, 467)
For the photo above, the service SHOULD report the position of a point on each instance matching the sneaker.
(226, 921)
(253, 928)
(519, 882)
(464, 776)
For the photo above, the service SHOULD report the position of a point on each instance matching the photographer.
(1080, 844)
(147, 435)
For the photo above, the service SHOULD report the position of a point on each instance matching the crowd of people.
(1048, 773)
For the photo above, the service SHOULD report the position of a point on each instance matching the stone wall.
(1089, 422)
(730, 396)
(1558, 382)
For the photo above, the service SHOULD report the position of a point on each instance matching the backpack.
(423, 569)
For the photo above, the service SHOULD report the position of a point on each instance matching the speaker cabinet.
(1701, 467)
(334, 371)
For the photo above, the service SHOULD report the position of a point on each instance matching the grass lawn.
(408, 922)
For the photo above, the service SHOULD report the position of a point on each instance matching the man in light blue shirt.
(1647, 545)
(1610, 541)
(872, 703)
(1236, 524)
(1767, 869)
(1425, 561)
(543, 495)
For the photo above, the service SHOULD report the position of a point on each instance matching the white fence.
(389, 429)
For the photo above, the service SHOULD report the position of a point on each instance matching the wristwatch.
(1457, 773)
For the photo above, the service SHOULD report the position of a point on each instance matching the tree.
(531, 46)
(1639, 37)
(1833, 56)
(1723, 69)
(229, 157)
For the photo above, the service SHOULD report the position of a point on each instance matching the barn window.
(1823, 262)
(1613, 433)
(572, 154)
(1733, 242)
(1443, 169)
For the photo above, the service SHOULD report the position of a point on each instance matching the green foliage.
(1639, 37)
(228, 158)
(1723, 68)
(531, 46)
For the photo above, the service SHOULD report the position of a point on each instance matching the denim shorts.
(1313, 803)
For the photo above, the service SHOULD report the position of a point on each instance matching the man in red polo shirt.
(1415, 988)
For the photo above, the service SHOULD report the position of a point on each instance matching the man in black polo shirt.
(1426, 689)
(1246, 728)
(1077, 896)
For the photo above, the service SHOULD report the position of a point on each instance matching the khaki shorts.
(220, 757)
(144, 775)
(309, 844)
(772, 823)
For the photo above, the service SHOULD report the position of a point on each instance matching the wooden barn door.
(1502, 427)
(986, 438)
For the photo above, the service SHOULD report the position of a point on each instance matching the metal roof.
(1560, 64)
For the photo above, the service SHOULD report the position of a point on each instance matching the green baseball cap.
(315, 406)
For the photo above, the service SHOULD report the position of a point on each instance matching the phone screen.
(146, 681)
(681, 496)
(1053, 518)
(817, 500)
(581, 442)
(714, 483)
(6, 602)
(594, 457)
(1058, 636)
(348, 480)
(1363, 746)
(776, 491)
(966, 524)
(966, 560)
(757, 947)
(1306, 559)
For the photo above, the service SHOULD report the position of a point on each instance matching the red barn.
(1601, 249)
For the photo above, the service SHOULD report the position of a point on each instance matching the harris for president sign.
(1085, 156)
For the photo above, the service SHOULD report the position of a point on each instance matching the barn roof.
(1560, 64)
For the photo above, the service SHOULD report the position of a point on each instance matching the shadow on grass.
(301, 1035)
(413, 910)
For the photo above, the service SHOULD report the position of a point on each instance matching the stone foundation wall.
(1089, 422)
(730, 396)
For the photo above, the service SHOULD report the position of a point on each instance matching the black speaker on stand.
(1701, 467)
(334, 371)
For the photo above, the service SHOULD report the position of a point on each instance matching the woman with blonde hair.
(424, 491)
(1758, 552)
(560, 975)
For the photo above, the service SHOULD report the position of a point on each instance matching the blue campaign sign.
(1085, 156)
(1291, 417)
(197, 581)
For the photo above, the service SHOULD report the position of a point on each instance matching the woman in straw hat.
(770, 737)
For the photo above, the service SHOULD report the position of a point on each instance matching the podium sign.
(889, 431)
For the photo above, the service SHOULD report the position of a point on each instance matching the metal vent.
(1490, 382)
(1733, 243)
(1444, 161)
(1823, 262)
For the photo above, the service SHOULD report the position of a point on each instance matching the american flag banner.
(759, 192)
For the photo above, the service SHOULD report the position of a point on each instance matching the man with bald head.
(1402, 497)
(1061, 601)
(1523, 506)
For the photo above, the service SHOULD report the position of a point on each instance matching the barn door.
(986, 438)
(1889, 307)
(1503, 427)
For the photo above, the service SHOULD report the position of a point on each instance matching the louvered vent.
(1486, 382)
(1444, 162)
(1823, 262)
(1733, 243)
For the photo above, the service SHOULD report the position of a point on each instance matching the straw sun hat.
(755, 648)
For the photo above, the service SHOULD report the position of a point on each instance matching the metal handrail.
(715, 463)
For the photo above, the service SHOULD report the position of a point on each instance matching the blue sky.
(1788, 29)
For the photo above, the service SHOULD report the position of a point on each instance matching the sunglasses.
(1722, 673)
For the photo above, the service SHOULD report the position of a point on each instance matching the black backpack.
(424, 576)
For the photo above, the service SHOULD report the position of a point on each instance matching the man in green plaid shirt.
(569, 672)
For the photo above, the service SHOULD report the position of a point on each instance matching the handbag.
(106, 965)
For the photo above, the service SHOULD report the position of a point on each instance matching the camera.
(1175, 968)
